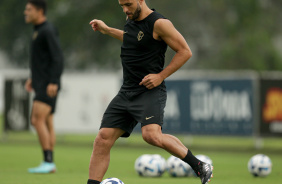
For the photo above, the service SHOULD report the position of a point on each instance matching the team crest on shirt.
(140, 35)
(35, 34)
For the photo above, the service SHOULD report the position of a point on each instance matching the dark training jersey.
(141, 54)
(46, 56)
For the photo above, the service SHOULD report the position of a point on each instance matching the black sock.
(48, 155)
(191, 160)
(93, 181)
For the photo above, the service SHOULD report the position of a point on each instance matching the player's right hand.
(28, 86)
(98, 25)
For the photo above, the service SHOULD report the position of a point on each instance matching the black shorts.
(41, 95)
(130, 107)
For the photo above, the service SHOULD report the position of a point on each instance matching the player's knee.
(152, 139)
(37, 119)
(103, 139)
(34, 121)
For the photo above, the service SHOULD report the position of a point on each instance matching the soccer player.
(142, 96)
(46, 68)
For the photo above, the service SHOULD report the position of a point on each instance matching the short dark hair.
(39, 4)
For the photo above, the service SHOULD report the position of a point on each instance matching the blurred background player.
(46, 66)
(142, 97)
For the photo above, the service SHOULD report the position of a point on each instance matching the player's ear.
(40, 11)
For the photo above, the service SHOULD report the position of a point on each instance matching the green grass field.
(19, 151)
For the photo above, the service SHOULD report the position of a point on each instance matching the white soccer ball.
(112, 181)
(176, 167)
(260, 165)
(202, 158)
(161, 161)
(150, 165)
(139, 166)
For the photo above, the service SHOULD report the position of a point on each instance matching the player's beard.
(137, 12)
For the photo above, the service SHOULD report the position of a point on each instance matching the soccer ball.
(260, 165)
(161, 161)
(202, 158)
(139, 163)
(176, 167)
(112, 181)
(150, 165)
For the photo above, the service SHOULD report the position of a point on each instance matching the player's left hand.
(151, 81)
(52, 90)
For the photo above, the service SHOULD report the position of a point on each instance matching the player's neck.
(40, 20)
(144, 13)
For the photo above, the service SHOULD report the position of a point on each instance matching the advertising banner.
(210, 107)
(271, 107)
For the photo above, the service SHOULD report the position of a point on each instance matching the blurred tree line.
(223, 34)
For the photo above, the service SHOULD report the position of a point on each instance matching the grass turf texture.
(19, 151)
(72, 162)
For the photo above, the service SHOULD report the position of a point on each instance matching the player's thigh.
(40, 111)
(41, 95)
(117, 116)
(148, 108)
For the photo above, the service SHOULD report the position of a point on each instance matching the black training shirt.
(141, 54)
(46, 56)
